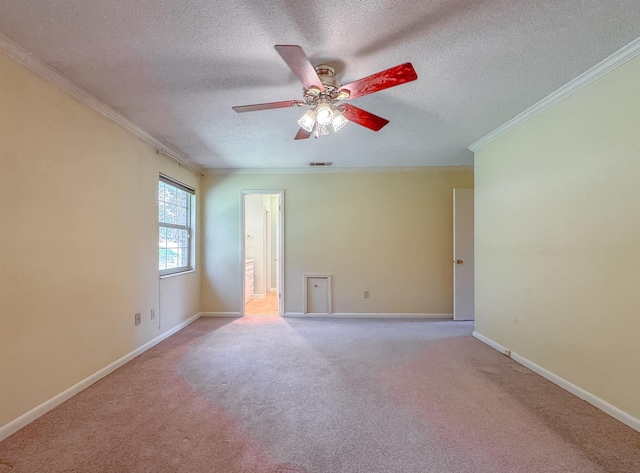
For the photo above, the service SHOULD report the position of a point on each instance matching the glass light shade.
(307, 121)
(324, 113)
(339, 120)
(321, 130)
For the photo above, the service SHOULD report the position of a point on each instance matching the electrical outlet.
(138, 319)
(153, 314)
(366, 294)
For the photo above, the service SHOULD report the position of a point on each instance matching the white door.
(463, 308)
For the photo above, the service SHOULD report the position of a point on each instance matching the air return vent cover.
(325, 164)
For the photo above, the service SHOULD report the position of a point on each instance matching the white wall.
(558, 239)
(386, 232)
(78, 243)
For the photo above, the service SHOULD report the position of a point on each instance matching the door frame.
(279, 193)
(267, 251)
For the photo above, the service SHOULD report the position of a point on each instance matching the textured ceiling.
(176, 67)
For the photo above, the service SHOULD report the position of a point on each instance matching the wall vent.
(325, 164)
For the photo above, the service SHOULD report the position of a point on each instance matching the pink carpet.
(272, 395)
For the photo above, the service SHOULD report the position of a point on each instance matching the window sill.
(165, 276)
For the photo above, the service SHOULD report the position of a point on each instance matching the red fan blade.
(362, 117)
(297, 60)
(380, 81)
(266, 106)
(302, 134)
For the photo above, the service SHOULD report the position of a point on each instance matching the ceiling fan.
(324, 95)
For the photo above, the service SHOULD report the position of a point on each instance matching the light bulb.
(343, 95)
(324, 113)
(307, 121)
(339, 120)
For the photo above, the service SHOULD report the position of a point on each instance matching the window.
(175, 225)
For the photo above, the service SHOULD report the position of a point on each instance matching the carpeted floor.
(272, 395)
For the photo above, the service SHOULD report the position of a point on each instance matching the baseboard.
(371, 315)
(17, 424)
(491, 343)
(258, 296)
(220, 314)
(592, 399)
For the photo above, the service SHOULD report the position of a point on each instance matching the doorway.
(262, 224)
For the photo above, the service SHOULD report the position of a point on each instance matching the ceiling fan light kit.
(323, 94)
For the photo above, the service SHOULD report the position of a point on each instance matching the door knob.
(459, 261)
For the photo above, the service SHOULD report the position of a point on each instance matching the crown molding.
(617, 59)
(332, 170)
(42, 69)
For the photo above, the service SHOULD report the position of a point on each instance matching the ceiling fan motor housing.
(331, 84)
(327, 74)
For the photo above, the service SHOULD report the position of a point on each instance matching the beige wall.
(78, 243)
(388, 233)
(558, 239)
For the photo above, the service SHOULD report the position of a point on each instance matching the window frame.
(189, 227)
